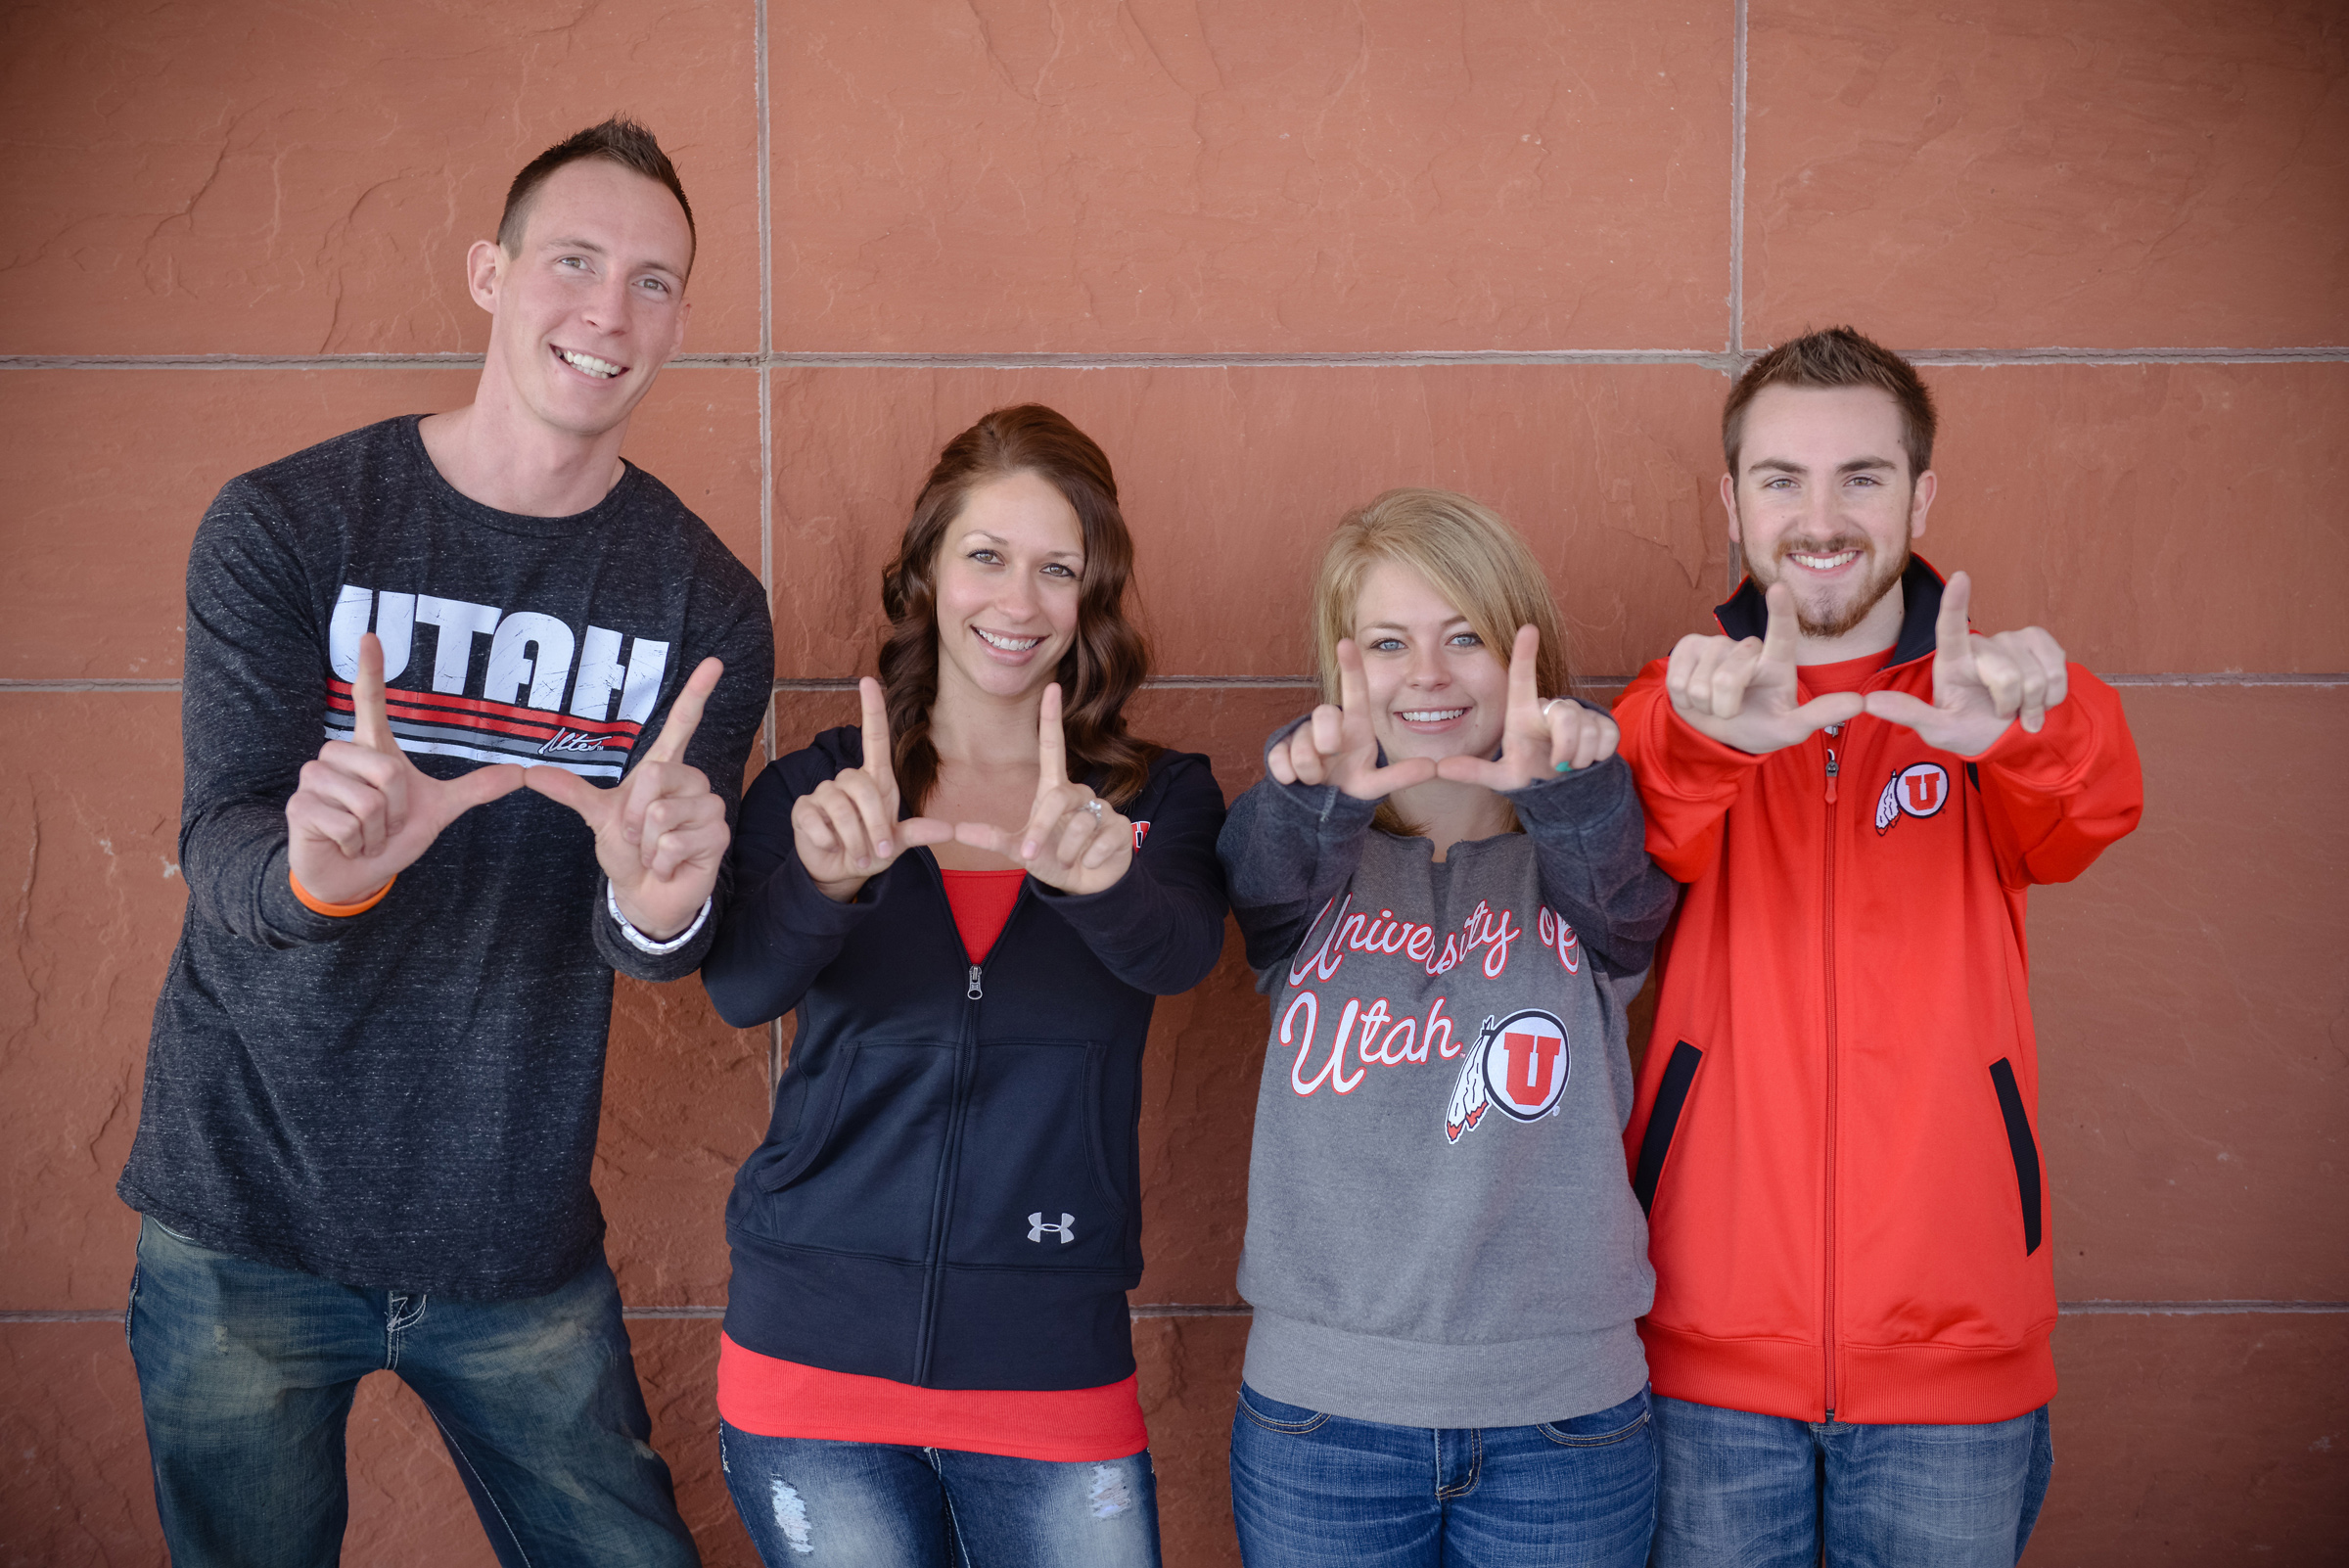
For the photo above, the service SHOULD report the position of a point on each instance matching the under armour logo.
(1066, 1227)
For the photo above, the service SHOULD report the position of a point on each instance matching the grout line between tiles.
(822, 683)
(762, 97)
(1737, 183)
(1726, 363)
(2065, 1308)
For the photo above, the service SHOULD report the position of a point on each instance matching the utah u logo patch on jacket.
(1918, 790)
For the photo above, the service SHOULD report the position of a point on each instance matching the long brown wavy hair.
(1108, 659)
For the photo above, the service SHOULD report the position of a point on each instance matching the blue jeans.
(1746, 1491)
(245, 1377)
(824, 1505)
(1315, 1491)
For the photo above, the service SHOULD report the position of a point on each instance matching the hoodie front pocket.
(1033, 1183)
(866, 1179)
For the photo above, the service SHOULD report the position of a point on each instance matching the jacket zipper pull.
(1833, 767)
(973, 992)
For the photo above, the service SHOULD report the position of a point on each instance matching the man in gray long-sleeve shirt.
(374, 1080)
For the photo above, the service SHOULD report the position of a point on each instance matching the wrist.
(338, 909)
(644, 941)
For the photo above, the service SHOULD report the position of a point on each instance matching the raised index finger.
(1524, 657)
(1051, 747)
(370, 725)
(1949, 629)
(1353, 695)
(879, 759)
(685, 714)
(1778, 638)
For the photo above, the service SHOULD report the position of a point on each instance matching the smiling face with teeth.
(1823, 501)
(1435, 688)
(589, 304)
(1009, 577)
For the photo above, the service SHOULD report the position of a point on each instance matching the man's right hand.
(1336, 746)
(847, 828)
(364, 812)
(1742, 693)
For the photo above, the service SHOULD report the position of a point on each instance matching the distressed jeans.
(1747, 1491)
(246, 1377)
(809, 1503)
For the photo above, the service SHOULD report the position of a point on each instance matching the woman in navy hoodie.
(973, 904)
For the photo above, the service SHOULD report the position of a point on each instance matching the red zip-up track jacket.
(1835, 1129)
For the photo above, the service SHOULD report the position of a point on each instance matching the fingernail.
(863, 865)
(1026, 852)
(1564, 767)
(886, 848)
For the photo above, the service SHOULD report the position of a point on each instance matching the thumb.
(483, 785)
(1898, 707)
(1835, 708)
(565, 788)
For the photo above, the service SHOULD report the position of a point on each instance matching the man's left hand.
(661, 835)
(1980, 684)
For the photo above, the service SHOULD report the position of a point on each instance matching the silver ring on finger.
(1552, 703)
(1094, 806)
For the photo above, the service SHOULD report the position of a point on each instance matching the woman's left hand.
(1074, 840)
(1538, 739)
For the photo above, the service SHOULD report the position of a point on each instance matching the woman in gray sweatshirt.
(1445, 894)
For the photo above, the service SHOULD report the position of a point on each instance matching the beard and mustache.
(1828, 619)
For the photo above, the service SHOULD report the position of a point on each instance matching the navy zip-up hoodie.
(949, 1191)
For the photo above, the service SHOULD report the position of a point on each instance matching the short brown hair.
(1467, 553)
(617, 140)
(1839, 356)
(1108, 659)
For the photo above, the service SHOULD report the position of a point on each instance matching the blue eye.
(1467, 639)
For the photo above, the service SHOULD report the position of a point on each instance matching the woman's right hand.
(847, 828)
(1336, 746)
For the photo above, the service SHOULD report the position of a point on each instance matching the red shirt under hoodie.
(1835, 1129)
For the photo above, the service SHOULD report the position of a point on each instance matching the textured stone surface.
(684, 1102)
(2154, 518)
(2101, 173)
(1232, 479)
(1190, 1377)
(1197, 175)
(2189, 996)
(73, 1479)
(277, 178)
(2198, 1441)
(114, 469)
(89, 828)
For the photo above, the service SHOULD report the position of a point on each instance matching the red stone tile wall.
(1276, 257)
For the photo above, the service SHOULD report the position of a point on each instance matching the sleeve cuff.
(637, 939)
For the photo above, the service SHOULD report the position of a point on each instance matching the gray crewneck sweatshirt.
(1441, 1233)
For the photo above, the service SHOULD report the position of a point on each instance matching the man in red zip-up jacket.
(1834, 1132)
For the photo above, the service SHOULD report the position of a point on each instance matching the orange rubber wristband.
(317, 905)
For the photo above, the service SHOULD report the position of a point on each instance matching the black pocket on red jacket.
(1672, 1096)
(2022, 1146)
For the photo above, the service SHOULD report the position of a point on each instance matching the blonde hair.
(1467, 554)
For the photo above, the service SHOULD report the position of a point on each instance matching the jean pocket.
(1273, 1416)
(1599, 1428)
